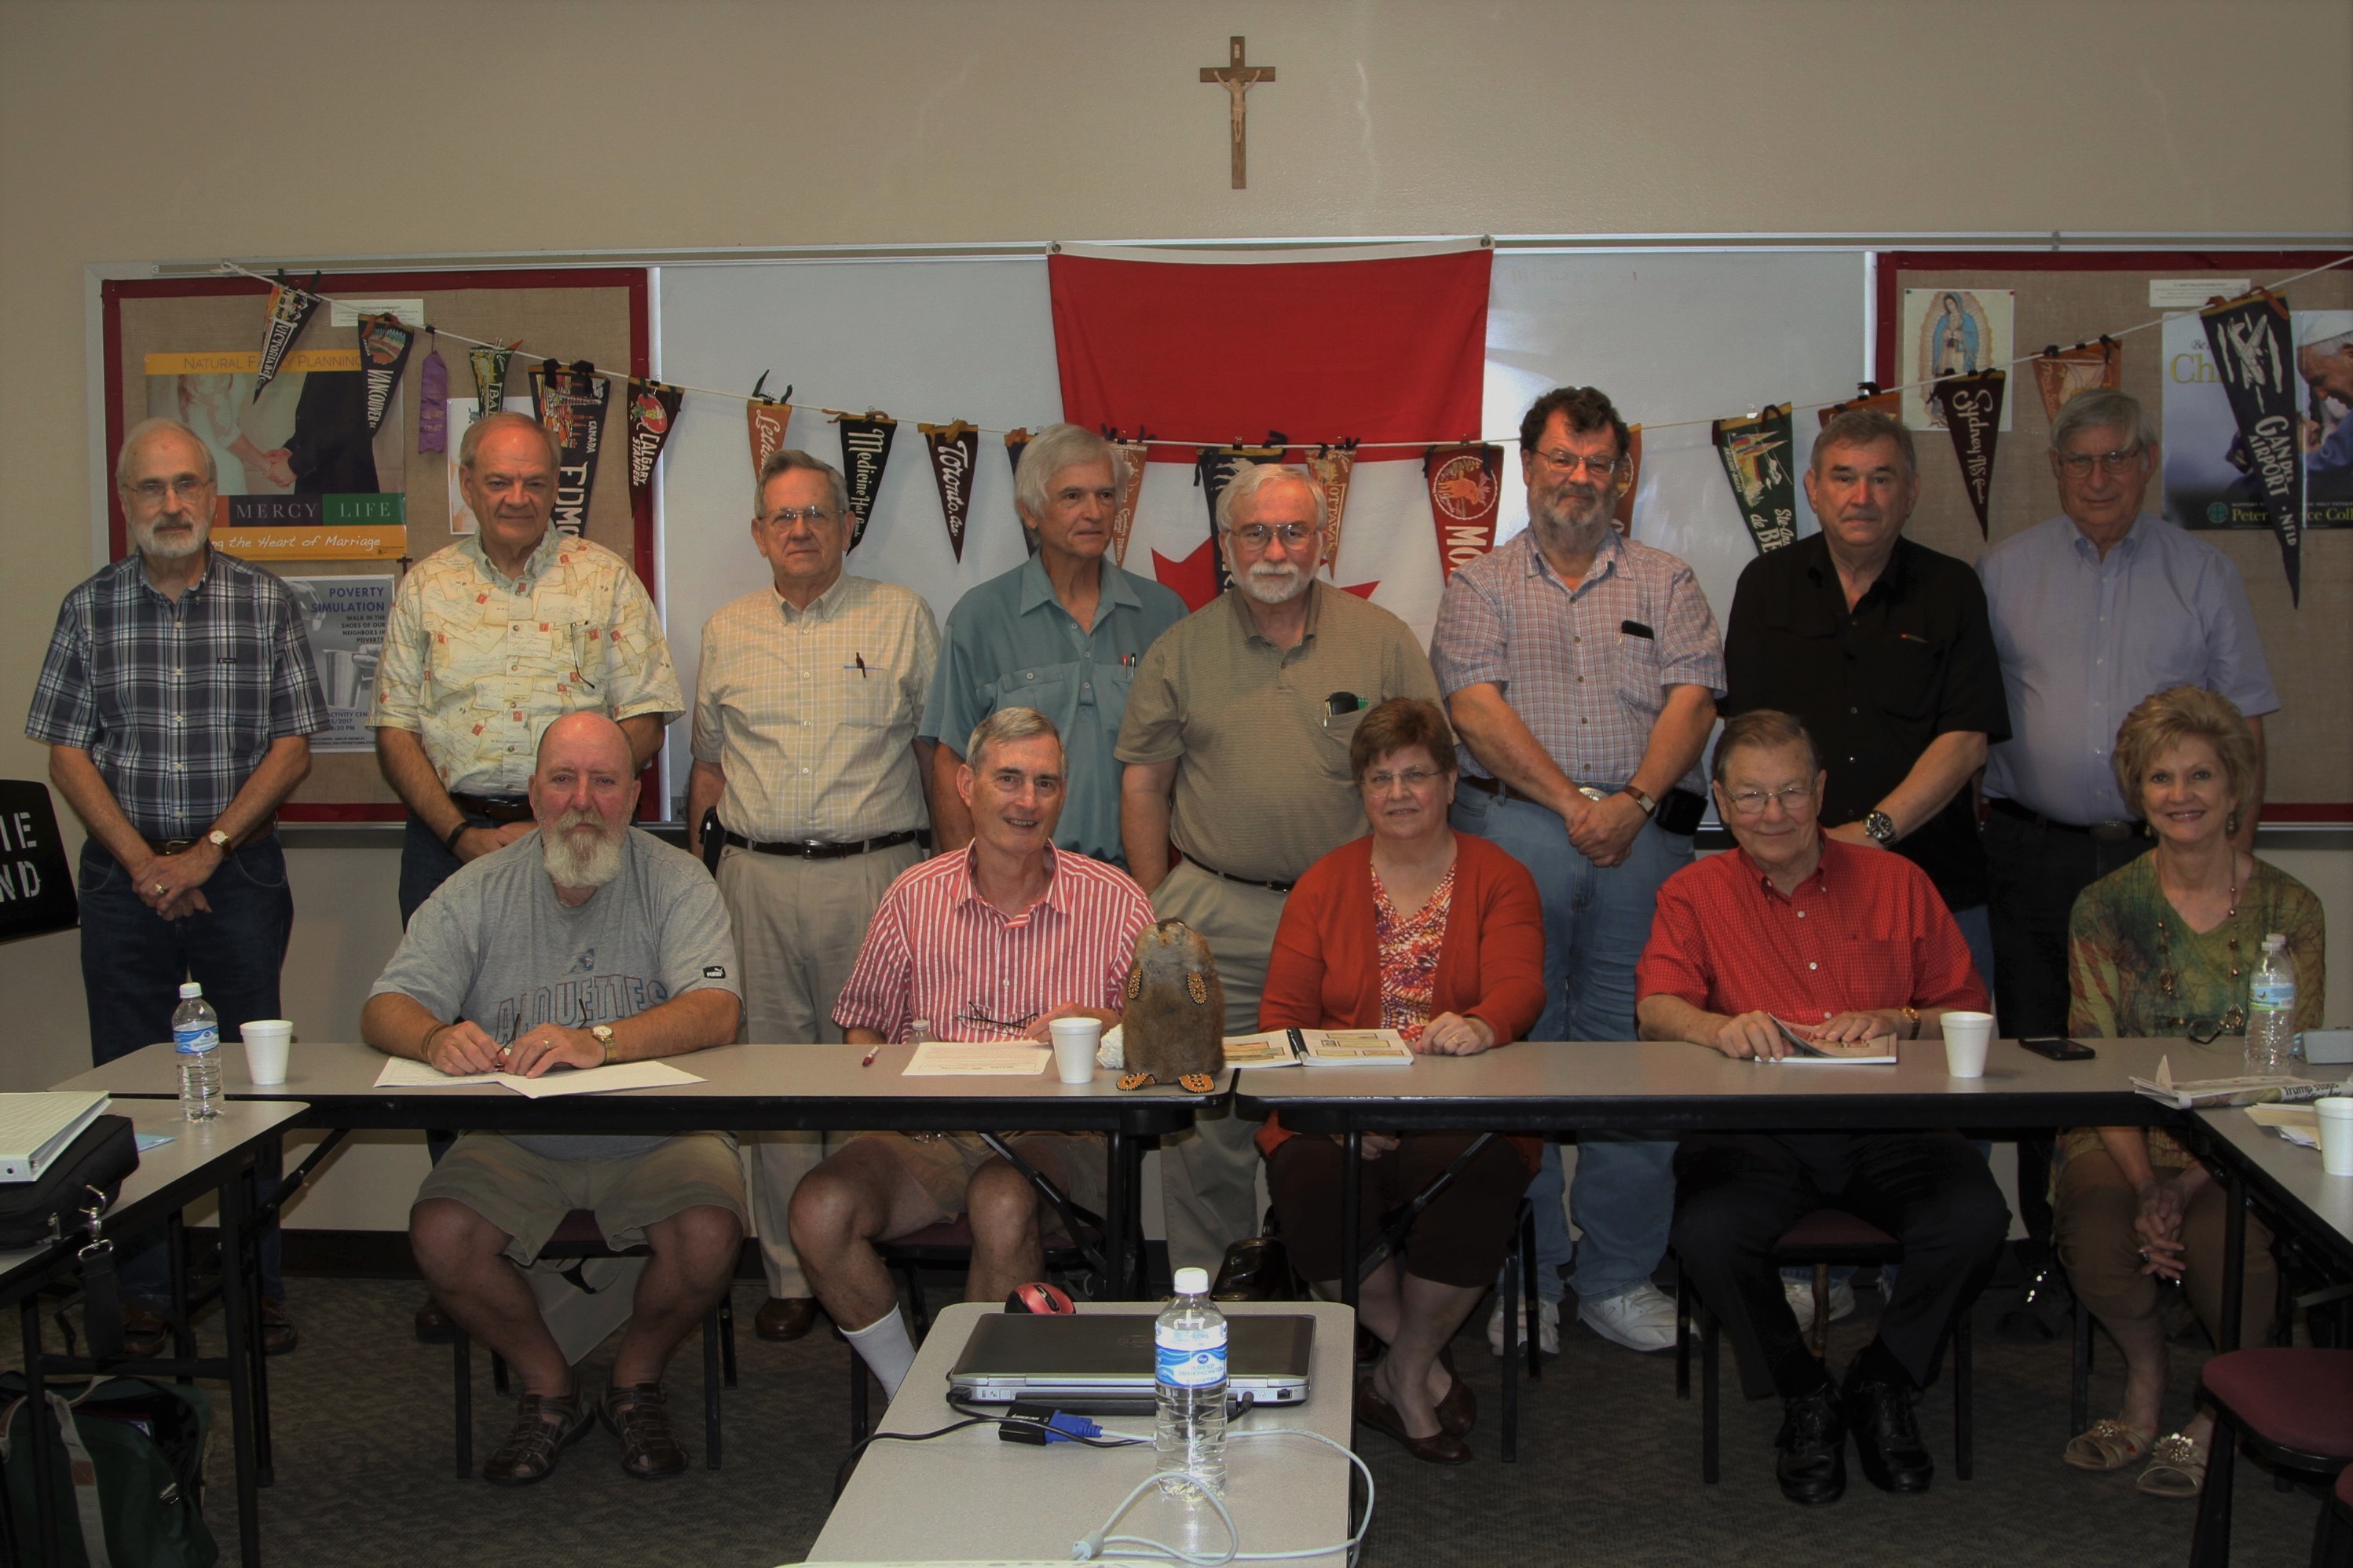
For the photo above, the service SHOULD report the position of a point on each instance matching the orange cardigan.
(1325, 970)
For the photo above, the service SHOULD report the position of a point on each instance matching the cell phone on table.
(2059, 1049)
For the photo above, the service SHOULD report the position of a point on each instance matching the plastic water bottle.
(1189, 1343)
(2270, 1010)
(195, 1037)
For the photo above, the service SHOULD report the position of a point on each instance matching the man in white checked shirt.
(805, 715)
(1581, 671)
(992, 943)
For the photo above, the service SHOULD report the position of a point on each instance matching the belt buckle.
(812, 847)
(178, 846)
(2111, 831)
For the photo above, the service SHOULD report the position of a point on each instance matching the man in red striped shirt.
(993, 943)
(1845, 945)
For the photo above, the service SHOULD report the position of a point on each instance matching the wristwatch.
(1911, 1013)
(218, 840)
(604, 1032)
(1881, 827)
(1650, 808)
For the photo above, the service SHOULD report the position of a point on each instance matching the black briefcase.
(88, 1174)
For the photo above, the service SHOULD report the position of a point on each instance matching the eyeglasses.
(2079, 464)
(1570, 463)
(150, 492)
(785, 516)
(1753, 801)
(1412, 778)
(1256, 534)
(973, 1014)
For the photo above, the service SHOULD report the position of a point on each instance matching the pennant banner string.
(1457, 439)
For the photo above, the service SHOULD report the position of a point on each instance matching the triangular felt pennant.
(489, 364)
(571, 405)
(652, 409)
(1466, 486)
(1756, 453)
(1332, 466)
(290, 307)
(1621, 516)
(1129, 457)
(765, 420)
(2060, 373)
(865, 452)
(1016, 443)
(1215, 467)
(1870, 396)
(2255, 358)
(1972, 408)
(433, 404)
(956, 449)
(384, 353)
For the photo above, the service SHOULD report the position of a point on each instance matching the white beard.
(577, 861)
(1274, 585)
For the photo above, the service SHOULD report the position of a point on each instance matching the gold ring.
(159, 887)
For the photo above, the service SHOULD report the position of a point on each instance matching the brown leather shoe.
(1458, 1412)
(145, 1335)
(278, 1331)
(1440, 1448)
(545, 1425)
(785, 1318)
(639, 1417)
(433, 1324)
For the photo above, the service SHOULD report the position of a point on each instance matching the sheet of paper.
(977, 1058)
(599, 1080)
(399, 1072)
(1879, 1051)
(2299, 1124)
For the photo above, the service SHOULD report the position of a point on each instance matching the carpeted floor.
(1609, 1472)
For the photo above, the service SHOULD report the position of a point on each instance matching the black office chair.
(577, 1239)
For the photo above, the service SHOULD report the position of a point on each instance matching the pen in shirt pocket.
(859, 665)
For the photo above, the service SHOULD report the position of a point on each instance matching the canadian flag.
(1382, 345)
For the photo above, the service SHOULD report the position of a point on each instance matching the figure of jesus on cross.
(1237, 79)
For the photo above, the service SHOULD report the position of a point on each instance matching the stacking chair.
(2292, 1409)
(576, 1240)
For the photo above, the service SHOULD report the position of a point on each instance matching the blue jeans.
(132, 961)
(1596, 924)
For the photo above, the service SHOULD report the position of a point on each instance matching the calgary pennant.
(865, 452)
(955, 451)
(652, 410)
(384, 353)
(1972, 408)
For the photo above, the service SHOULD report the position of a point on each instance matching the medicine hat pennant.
(1756, 453)
(571, 404)
(1332, 467)
(433, 402)
(289, 308)
(1972, 409)
(2254, 355)
(2060, 373)
(1629, 479)
(384, 353)
(955, 452)
(865, 452)
(1214, 467)
(651, 409)
(1466, 488)
(1128, 460)
(764, 419)
(489, 364)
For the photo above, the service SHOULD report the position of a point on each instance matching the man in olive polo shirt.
(1236, 742)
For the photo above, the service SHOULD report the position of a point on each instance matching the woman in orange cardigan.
(1438, 935)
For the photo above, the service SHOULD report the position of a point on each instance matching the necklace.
(2169, 980)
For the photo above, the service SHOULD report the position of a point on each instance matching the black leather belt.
(1497, 788)
(814, 850)
(499, 808)
(1680, 810)
(1245, 882)
(2110, 832)
(254, 835)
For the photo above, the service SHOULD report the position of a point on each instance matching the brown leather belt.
(2109, 832)
(260, 830)
(1497, 788)
(812, 849)
(1271, 886)
(499, 808)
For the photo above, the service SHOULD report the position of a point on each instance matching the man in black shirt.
(1882, 649)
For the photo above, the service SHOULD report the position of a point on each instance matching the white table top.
(2289, 1176)
(971, 1497)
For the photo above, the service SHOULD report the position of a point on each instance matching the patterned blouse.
(1409, 946)
(2126, 935)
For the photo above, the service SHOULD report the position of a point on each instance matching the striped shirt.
(939, 951)
(177, 703)
(477, 665)
(1587, 668)
(812, 714)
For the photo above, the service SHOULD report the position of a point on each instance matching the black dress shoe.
(433, 1324)
(1886, 1432)
(785, 1317)
(1810, 1454)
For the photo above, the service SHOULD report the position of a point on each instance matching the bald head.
(582, 794)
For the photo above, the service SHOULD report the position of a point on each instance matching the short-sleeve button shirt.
(477, 664)
(1587, 668)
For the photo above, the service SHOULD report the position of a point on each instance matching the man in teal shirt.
(1061, 633)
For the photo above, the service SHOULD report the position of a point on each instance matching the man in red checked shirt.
(1847, 946)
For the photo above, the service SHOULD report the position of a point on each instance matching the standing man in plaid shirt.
(807, 719)
(175, 701)
(1582, 672)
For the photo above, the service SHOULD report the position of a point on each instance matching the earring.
(2231, 823)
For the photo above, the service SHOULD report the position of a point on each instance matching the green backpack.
(144, 1442)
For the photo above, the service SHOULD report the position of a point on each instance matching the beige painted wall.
(130, 132)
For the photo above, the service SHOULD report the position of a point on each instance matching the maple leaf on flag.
(1195, 578)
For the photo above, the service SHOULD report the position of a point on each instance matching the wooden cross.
(1237, 79)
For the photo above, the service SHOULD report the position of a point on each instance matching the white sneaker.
(1547, 1327)
(1800, 1293)
(1643, 1319)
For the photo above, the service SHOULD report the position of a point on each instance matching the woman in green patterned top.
(2165, 946)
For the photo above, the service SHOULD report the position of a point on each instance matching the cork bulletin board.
(595, 314)
(2067, 298)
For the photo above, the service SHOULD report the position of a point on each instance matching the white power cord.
(1093, 1548)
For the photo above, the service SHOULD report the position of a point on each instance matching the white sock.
(887, 1348)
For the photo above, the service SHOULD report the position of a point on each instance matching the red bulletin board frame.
(635, 281)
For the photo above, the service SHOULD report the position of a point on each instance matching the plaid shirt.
(1586, 683)
(177, 704)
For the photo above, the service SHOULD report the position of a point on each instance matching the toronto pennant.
(955, 450)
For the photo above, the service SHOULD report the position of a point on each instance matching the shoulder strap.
(85, 1481)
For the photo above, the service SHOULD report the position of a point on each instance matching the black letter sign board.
(36, 890)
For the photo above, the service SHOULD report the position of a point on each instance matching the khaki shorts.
(944, 1163)
(527, 1195)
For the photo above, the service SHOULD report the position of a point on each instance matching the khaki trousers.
(2091, 1225)
(1208, 1176)
(798, 926)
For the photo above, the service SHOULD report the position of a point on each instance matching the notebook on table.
(34, 1128)
(1098, 1362)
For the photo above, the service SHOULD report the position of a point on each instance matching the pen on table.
(868, 1060)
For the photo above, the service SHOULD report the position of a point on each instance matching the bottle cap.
(190, 990)
(1192, 1281)
(2271, 944)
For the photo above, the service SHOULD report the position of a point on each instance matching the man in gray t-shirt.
(583, 944)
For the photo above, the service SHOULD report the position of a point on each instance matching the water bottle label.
(190, 1038)
(2270, 993)
(1181, 1368)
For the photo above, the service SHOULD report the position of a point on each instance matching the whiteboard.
(1671, 336)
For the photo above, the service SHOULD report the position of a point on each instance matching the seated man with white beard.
(582, 943)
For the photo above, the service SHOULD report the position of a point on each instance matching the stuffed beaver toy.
(1173, 1028)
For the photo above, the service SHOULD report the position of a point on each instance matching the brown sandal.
(639, 1417)
(545, 1425)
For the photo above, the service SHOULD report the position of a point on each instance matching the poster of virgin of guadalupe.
(1951, 331)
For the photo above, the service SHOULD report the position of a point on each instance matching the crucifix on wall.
(1237, 79)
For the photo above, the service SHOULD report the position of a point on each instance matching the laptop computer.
(1105, 1360)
